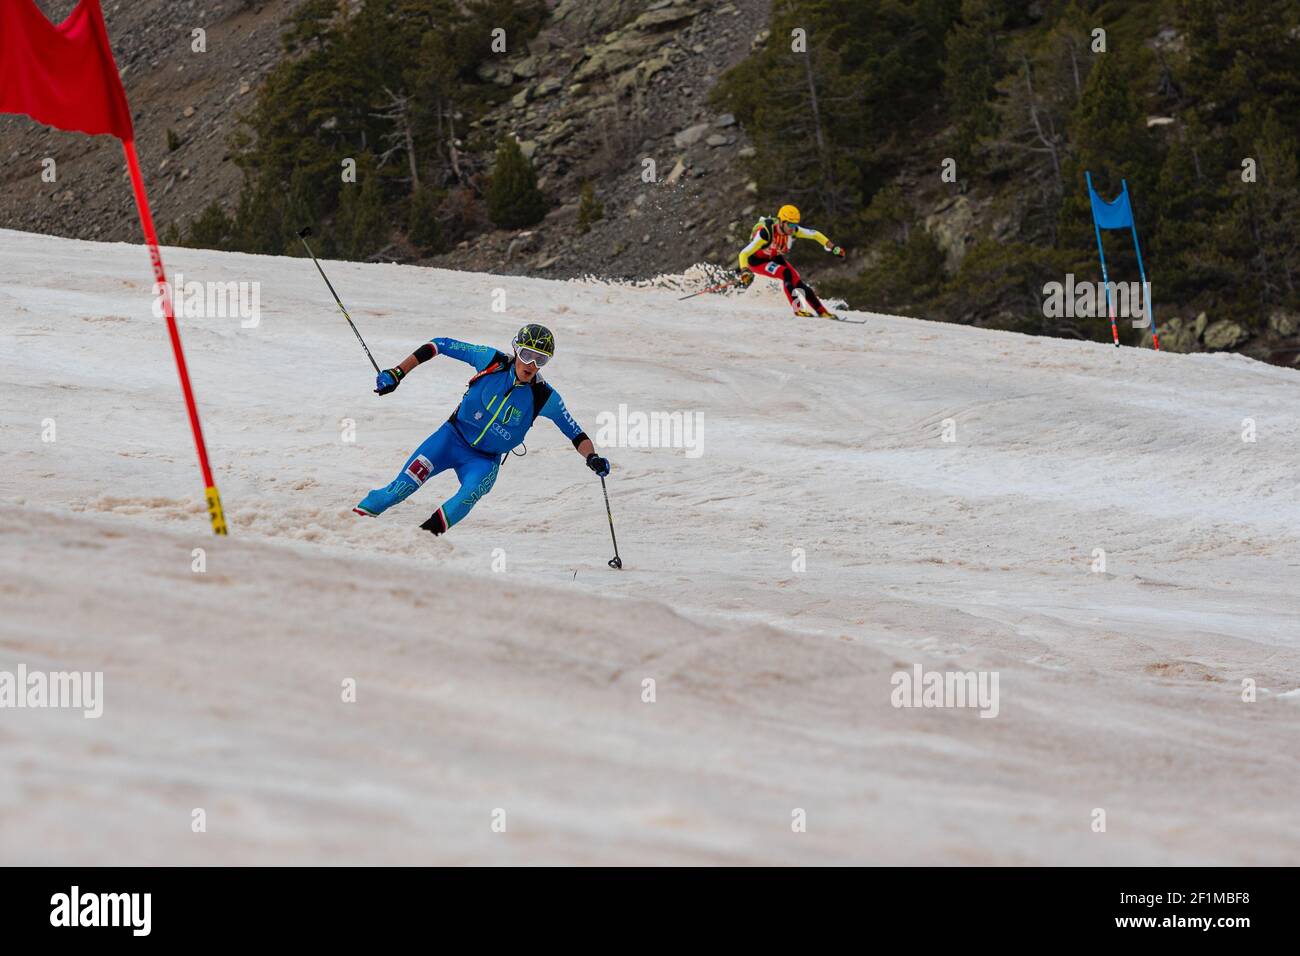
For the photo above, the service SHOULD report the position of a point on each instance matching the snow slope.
(521, 689)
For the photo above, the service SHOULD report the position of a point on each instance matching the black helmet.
(538, 338)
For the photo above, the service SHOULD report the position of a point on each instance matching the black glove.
(597, 464)
(387, 380)
(745, 278)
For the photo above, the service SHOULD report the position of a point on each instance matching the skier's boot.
(436, 524)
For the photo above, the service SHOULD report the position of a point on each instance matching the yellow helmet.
(788, 213)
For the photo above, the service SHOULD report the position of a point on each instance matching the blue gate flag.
(1116, 214)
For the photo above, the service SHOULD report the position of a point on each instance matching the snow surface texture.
(521, 690)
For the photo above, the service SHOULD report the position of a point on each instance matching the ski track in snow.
(522, 690)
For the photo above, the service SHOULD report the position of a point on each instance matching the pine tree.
(1279, 175)
(1241, 52)
(1189, 194)
(907, 275)
(212, 229)
(260, 217)
(1109, 139)
(1038, 95)
(589, 208)
(1000, 285)
(361, 228)
(514, 201)
(830, 122)
(422, 226)
(1252, 248)
(392, 78)
(973, 62)
(1234, 242)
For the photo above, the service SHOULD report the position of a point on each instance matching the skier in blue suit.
(500, 404)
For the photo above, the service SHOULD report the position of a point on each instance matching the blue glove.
(597, 464)
(387, 380)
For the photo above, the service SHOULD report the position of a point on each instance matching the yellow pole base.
(214, 511)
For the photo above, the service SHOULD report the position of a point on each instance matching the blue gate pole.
(1110, 305)
(1146, 289)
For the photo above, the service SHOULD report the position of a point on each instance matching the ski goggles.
(531, 356)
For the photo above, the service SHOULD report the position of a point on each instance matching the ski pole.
(713, 288)
(303, 233)
(615, 562)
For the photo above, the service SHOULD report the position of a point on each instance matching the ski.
(836, 318)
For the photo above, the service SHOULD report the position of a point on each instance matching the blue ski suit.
(493, 417)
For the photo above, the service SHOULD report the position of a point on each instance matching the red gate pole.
(160, 276)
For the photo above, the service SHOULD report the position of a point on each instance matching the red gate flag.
(66, 77)
(62, 76)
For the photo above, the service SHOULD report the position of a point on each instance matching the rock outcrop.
(616, 93)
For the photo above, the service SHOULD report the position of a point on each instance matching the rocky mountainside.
(610, 99)
(614, 92)
(608, 87)
(185, 103)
